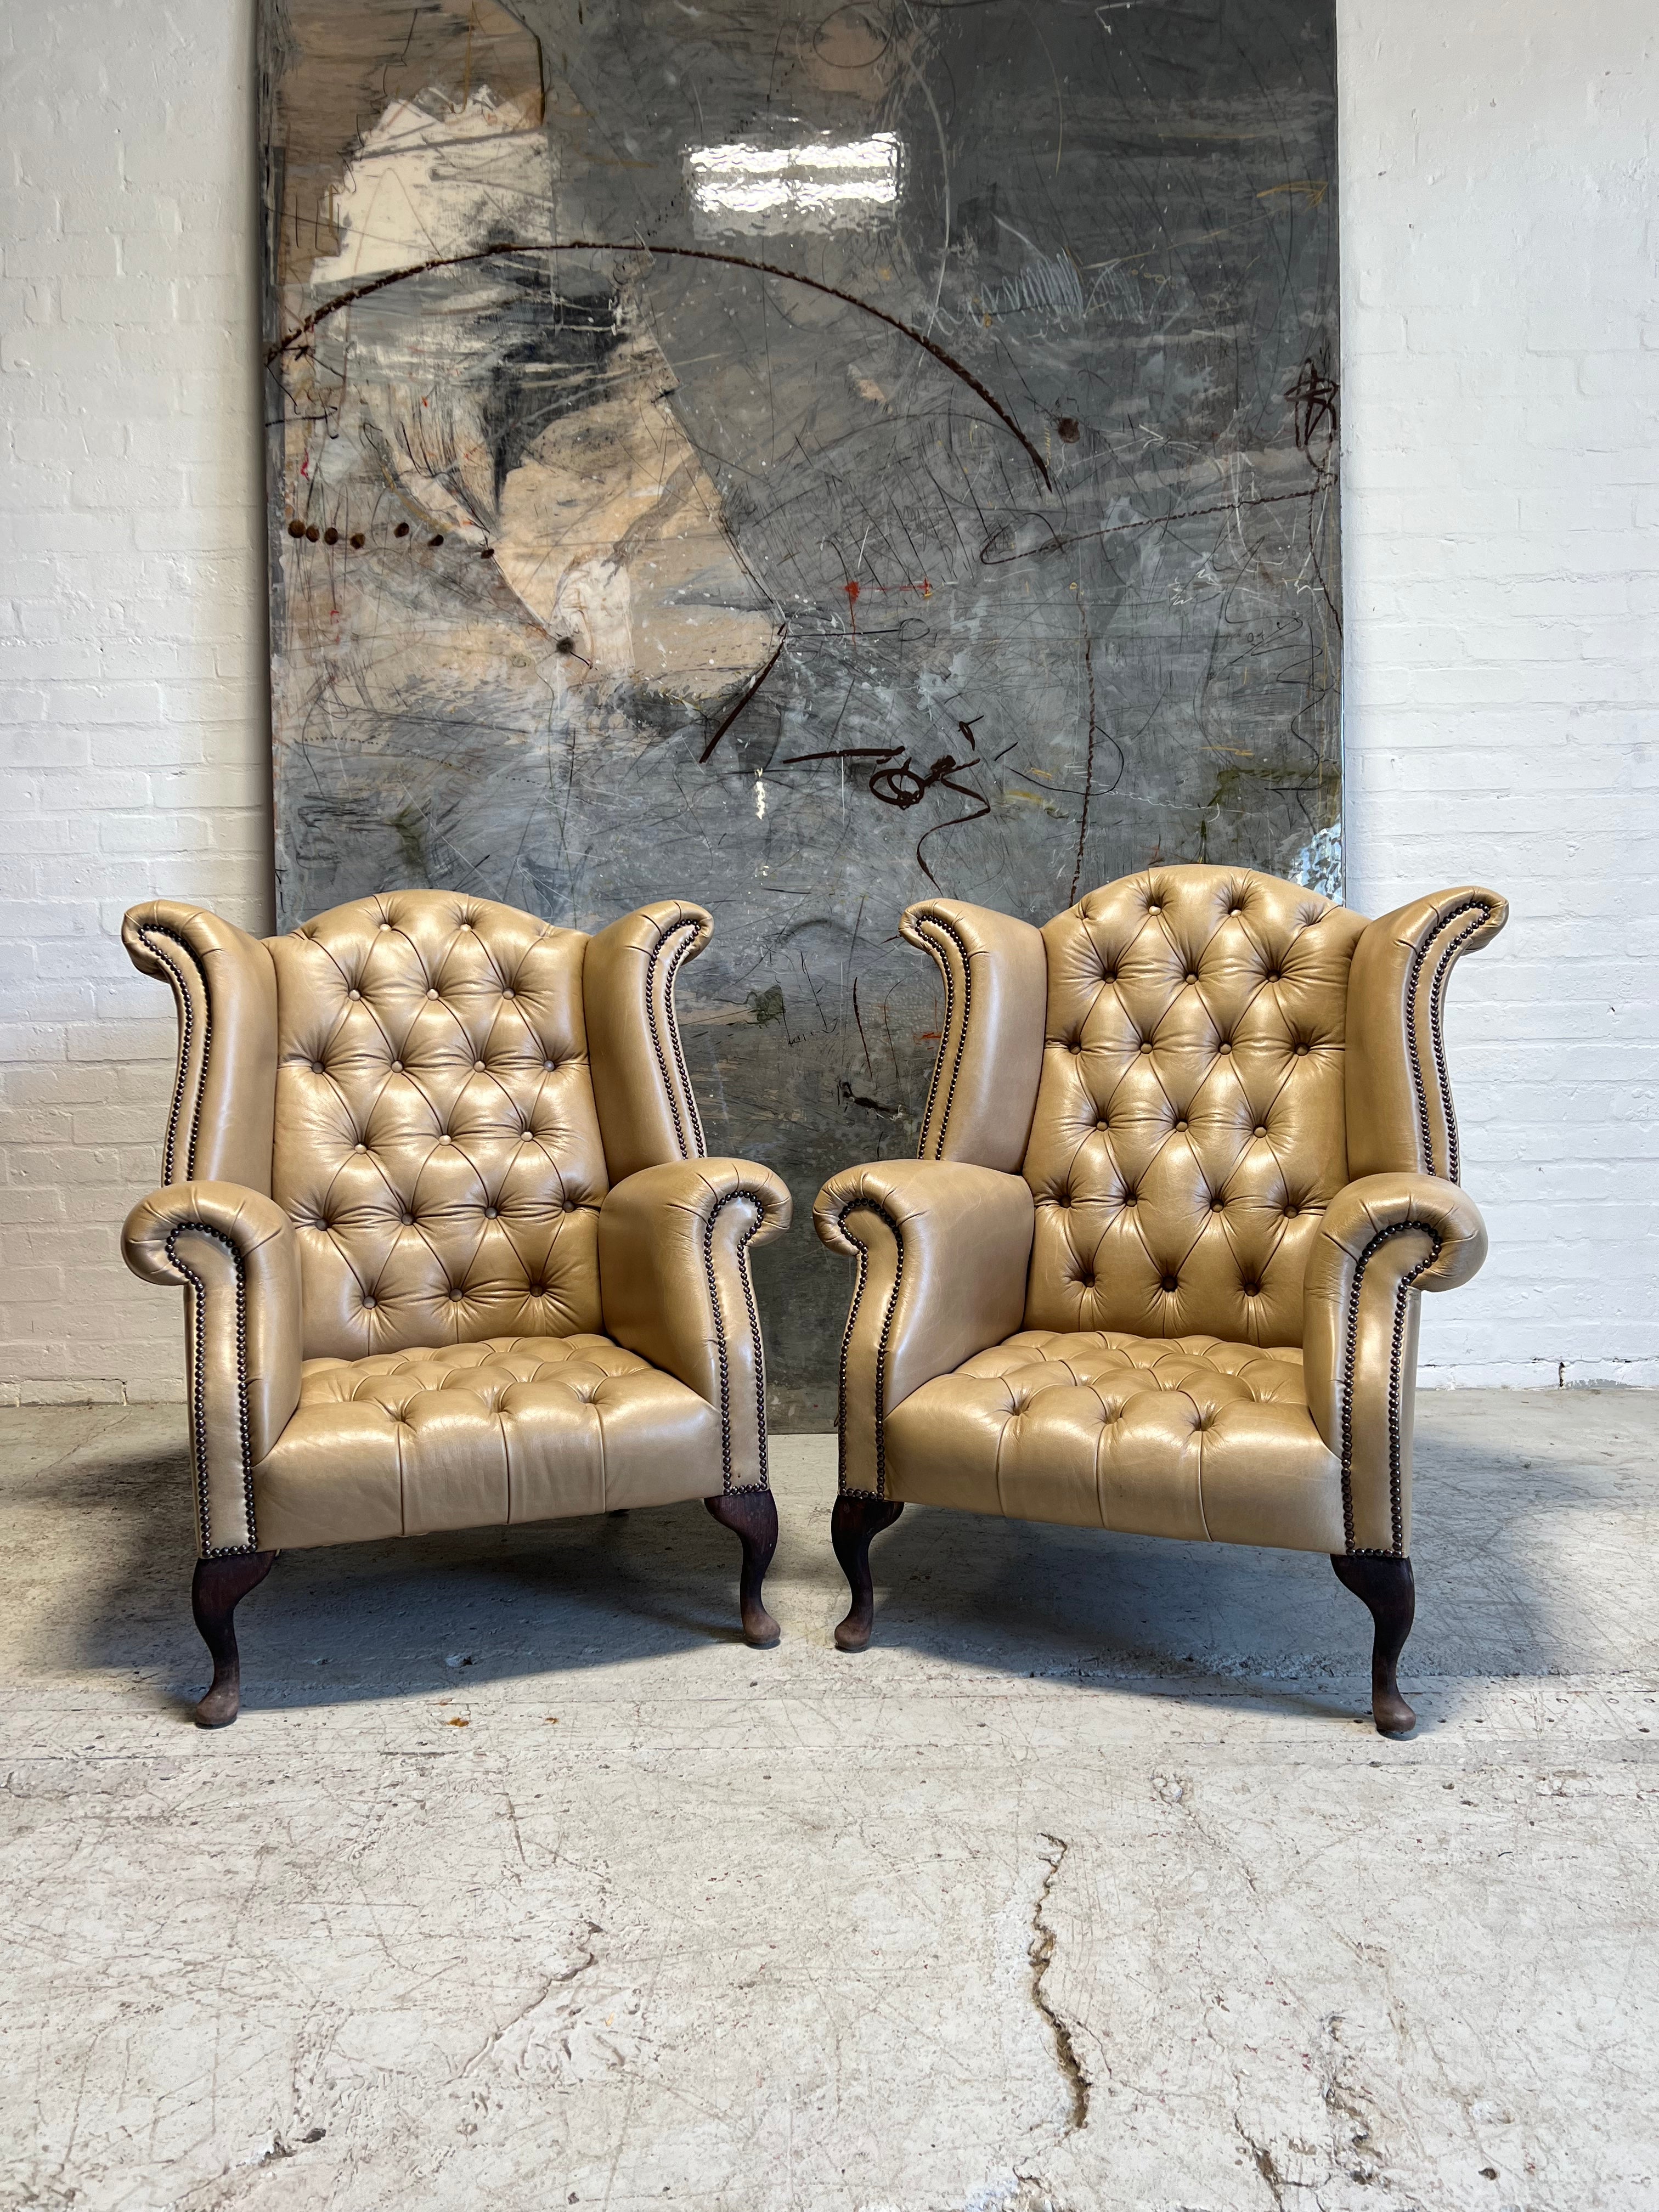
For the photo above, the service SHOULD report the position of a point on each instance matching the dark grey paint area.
(1105, 635)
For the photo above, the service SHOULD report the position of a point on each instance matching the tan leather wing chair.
(1188, 1159)
(452, 1256)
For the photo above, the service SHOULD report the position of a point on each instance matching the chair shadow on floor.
(1510, 1582)
(362, 1620)
(1502, 1574)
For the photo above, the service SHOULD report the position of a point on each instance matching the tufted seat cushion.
(479, 1435)
(1185, 1436)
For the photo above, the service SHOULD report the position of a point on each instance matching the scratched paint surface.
(801, 459)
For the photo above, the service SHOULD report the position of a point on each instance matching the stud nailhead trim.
(199, 1386)
(870, 1206)
(1396, 1380)
(685, 935)
(758, 1202)
(941, 960)
(153, 936)
(1482, 913)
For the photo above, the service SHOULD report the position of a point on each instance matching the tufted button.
(1075, 1046)
(367, 1300)
(1181, 1124)
(386, 924)
(478, 1068)
(1146, 1044)
(1192, 975)
(1063, 1200)
(1172, 1283)
(316, 1067)
(1085, 1282)
(507, 992)
(1226, 1045)
(432, 994)
(1154, 906)
(551, 1065)
(353, 994)
(1252, 1290)
(1235, 909)
(1218, 1204)
(1108, 974)
(444, 1137)
(1302, 1050)
(1272, 975)
(360, 1148)
(1261, 1129)
(406, 1221)
(1291, 1212)
(491, 1212)
(397, 1068)
(1102, 1123)
(1131, 1198)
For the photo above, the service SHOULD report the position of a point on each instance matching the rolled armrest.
(943, 1250)
(234, 1253)
(674, 1287)
(1383, 1238)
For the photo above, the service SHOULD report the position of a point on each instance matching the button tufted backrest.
(436, 1142)
(1188, 1130)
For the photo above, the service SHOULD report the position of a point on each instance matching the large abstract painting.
(801, 457)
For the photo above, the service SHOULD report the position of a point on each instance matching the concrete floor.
(522, 1883)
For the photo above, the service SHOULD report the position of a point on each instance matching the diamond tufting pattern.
(1185, 1436)
(437, 1146)
(1188, 1130)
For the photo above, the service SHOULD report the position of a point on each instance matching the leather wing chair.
(452, 1256)
(1188, 1159)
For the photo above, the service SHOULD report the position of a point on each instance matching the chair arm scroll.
(1383, 1238)
(234, 1252)
(943, 1250)
(674, 1287)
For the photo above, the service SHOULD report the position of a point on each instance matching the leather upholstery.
(1229, 1065)
(477, 1436)
(437, 1143)
(1398, 1091)
(642, 1092)
(985, 1073)
(673, 1242)
(1383, 1238)
(1188, 1126)
(224, 985)
(234, 1252)
(1163, 1437)
(404, 1089)
(942, 1250)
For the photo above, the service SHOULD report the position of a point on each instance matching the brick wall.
(1501, 344)
(131, 628)
(1500, 254)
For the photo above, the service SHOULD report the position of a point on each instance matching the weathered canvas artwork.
(801, 457)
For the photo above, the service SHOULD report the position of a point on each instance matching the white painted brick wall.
(1501, 344)
(1500, 252)
(132, 629)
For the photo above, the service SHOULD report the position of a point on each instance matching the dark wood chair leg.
(1386, 1588)
(753, 1516)
(219, 1587)
(853, 1523)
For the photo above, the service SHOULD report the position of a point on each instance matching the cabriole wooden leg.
(853, 1523)
(753, 1516)
(219, 1587)
(1386, 1587)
